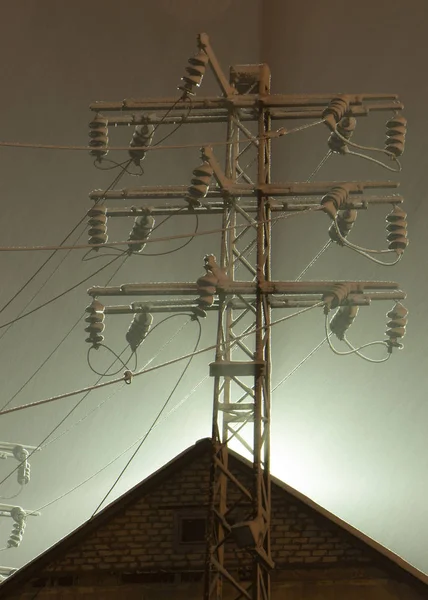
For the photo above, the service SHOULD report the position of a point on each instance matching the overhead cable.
(127, 374)
(155, 421)
(154, 240)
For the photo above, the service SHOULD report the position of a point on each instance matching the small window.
(192, 530)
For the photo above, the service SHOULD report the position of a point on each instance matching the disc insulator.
(98, 134)
(141, 230)
(195, 72)
(96, 325)
(397, 230)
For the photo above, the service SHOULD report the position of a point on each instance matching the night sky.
(349, 434)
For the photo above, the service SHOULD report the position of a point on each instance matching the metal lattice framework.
(238, 559)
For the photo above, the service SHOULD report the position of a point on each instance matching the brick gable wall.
(136, 548)
(143, 536)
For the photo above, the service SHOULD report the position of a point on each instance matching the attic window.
(190, 529)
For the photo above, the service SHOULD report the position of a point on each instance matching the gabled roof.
(389, 560)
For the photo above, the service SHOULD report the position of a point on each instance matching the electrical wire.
(371, 149)
(42, 266)
(158, 416)
(159, 422)
(375, 260)
(46, 443)
(155, 368)
(159, 239)
(100, 254)
(282, 131)
(177, 127)
(135, 353)
(367, 358)
(21, 315)
(161, 349)
(365, 251)
(302, 362)
(117, 356)
(51, 353)
(377, 162)
(64, 293)
(69, 412)
(21, 488)
(118, 250)
(354, 350)
(154, 147)
(313, 261)
(39, 269)
(162, 420)
(175, 249)
(37, 292)
(320, 164)
(117, 165)
(40, 367)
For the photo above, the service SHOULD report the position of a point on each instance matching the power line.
(126, 377)
(39, 269)
(69, 412)
(154, 240)
(314, 260)
(159, 420)
(302, 362)
(176, 407)
(24, 385)
(32, 146)
(55, 249)
(158, 416)
(64, 293)
(164, 345)
(37, 292)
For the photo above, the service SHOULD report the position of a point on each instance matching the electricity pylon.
(239, 560)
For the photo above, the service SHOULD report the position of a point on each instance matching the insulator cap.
(18, 515)
(334, 200)
(98, 134)
(200, 59)
(98, 210)
(139, 329)
(20, 453)
(335, 111)
(342, 320)
(195, 73)
(334, 297)
(141, 230)
(345, 222)
(95, 319)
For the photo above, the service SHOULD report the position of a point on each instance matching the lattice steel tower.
(239, 560)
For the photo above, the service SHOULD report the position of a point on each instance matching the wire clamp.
(127, 377)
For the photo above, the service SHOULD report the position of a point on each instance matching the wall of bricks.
(314, 558)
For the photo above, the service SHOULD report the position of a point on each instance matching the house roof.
(389, 560)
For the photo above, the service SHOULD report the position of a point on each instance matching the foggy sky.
(349, 434)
